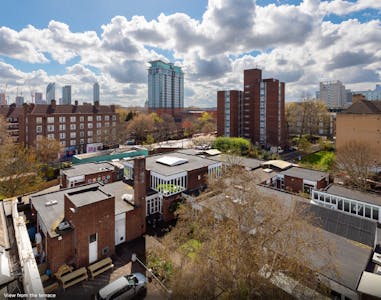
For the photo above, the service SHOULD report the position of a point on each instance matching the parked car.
(125, 287)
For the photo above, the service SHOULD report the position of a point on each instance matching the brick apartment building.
(76, 127)
(360, 122)
(260, 114)
(76, 224)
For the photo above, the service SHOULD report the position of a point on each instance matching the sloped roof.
(364, 107)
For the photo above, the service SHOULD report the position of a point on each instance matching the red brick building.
(75, 126)
(76, 224)
(261, 116)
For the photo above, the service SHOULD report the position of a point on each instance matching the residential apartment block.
(360, 122)
(259, 116)
(75, 126)
(334, 95)
(165, 88)
(371, 94)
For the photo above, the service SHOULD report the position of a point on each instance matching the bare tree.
(139, 126)
(247, 243)
(356, 161)
(47, 150)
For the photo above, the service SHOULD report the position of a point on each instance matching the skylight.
(171, 161)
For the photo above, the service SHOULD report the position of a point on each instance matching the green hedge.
(234, 145)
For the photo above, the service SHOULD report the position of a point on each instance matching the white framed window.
(50, 128)
(81, 134)
(107, 124)
(99, 132)
(81, 141)
(73, 119)
(73, 135)
(107, 118)
(114, 117)
(73, 127)
(62, 127)
(81, 119)
(62, 119)
(89, 140)
(39, 137)
(90, 133)
(99, 125)
(89, 118)
(38, 120)
(62, 135)
(113, 124)
(81, 126)
(73, 142)
(51, 136)
(50, 119)
(39, 128)
(99, 118)
(89, 125)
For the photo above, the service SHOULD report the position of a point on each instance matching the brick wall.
(98, 217)
(59, 252)
(167, 201)
(91, 178)
(197, 178)
(293, 184)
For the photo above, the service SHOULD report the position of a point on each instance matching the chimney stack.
(53, 104)
(140, 181)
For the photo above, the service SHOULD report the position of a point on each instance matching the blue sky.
(300, 42)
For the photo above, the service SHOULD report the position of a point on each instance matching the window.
(62, 127)
(81, 119)
(38, 128)
(50, 128)
(346, 206)
(39, 137)
(62, 135)
(89, 118)
(107, 124)
(99, 132)
(38, 120)
(81, 126)
(89, 133)
(82, 134)
(340, 204)
(63, 143)
(99, 118)
(73, 119)
(99, 125)
(113, 124)
(73, 135)
(73, 127)
(114, 117)
(107, 118)
(89, 140)
(81, 141)
(62, 119)
(50, 119)
(89, 125)
(375, 213)
(367, 211)
(51, 136)
(73, 142)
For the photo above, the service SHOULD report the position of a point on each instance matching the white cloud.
(295, 44)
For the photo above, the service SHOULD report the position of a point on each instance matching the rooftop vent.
(64, 225)
(127, 197)
(171, 161)
(51, 202)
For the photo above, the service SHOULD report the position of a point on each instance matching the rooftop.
(307, 174)
(119, 189)
(279, 164)
(193, 163)
(88, 196)
(89, 168)
(248, 163)
(364, 107)
(345, 192)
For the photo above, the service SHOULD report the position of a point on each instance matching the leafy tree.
(356, 162)
(47, 150)
(245, 243)
(233, 145)
(140, 126)
(206, 123)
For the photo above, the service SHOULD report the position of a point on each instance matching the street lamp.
(151, 275)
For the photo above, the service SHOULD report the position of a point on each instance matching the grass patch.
(322, 160)
(190, 248)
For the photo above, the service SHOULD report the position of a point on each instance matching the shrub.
(239, 146)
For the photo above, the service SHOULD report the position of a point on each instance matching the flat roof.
(342, 191)
(370, 284)
(193, 163)
(118, 189)
(52, 215)
(307, 174)
(248, 163)
(280, 164)
(87, 197)
(89, 168)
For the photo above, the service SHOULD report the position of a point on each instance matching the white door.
(93, 248)
(120, 228)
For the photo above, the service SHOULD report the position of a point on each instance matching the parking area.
(122, 266)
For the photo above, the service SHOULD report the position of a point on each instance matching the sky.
(77, 43)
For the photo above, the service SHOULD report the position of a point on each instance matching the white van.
(125, 287)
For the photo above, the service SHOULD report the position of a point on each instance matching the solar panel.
(171, 161)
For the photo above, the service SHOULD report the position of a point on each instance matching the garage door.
(120, 228)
